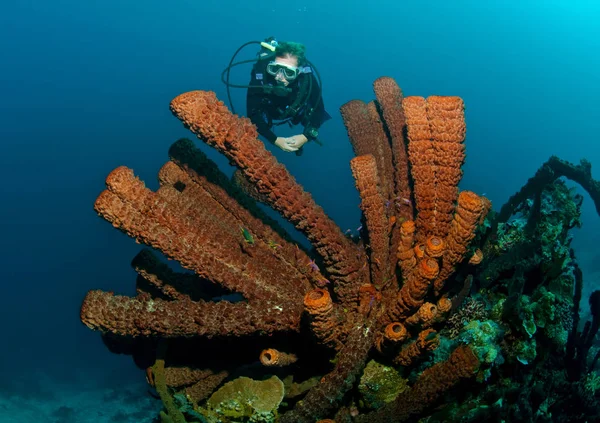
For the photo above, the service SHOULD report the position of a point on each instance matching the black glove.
(311, 133)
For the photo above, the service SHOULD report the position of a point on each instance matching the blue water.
(85, 87)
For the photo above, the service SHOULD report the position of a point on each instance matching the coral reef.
(380, 384)
(437, 288)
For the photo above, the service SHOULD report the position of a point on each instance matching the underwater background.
(85, 87)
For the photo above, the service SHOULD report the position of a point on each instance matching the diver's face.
(286, 60)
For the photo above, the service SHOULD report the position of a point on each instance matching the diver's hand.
(297, 141)
(285, 144)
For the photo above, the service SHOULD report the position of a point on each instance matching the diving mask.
(288, 72)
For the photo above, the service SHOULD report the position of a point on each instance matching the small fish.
(313, 265)
(272, 244)
(372, 302)
(359, 228)
(248, 238)
(321, 282)
(402, 200)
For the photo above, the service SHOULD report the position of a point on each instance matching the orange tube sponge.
(429, 268)
(426, 341)
(382, 152)
(240, 180)
(367, 136)
(144, 316)
(419, 251)
(444, 305)
(393, 334)
(272, 357)
(469, 211)
(200, 230)
(208, 249)
(415, 288)
(447, 122)
(436, 130)
(424, 316)
(357, 120)
(318, 302)
(434, 246)
(406, 254)
(201, 207)
(364, 170)
(396, 332)
(204, 174)
(326, 319)
(389, 97)
(237, 139)
(422, 159)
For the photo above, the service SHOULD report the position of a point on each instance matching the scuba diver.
(284, 89)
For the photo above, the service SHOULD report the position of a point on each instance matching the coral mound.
(249, 292)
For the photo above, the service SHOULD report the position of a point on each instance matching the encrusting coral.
(387, 293)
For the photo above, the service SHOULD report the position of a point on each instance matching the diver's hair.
(293, 49)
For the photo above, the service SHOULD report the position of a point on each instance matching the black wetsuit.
(264, 108)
